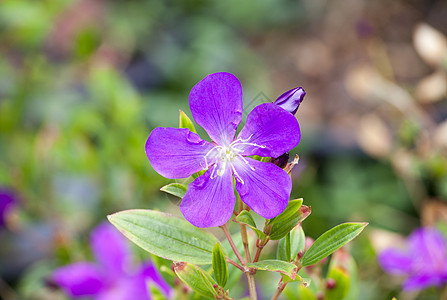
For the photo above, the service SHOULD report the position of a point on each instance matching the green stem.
(249, 274)
(235, 264)
(251, 286)
(281, 287)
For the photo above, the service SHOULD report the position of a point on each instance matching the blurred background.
(82, 84)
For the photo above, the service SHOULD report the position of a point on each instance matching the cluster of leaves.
(189, 247)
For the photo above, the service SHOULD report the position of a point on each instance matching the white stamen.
(212, 172)
(208, 153)
(226, 155)
(236, 175)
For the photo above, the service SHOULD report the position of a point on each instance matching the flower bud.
(281, 161)
(291, 100)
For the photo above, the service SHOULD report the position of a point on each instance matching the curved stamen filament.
(246, 161)
(236, 175)
(208, 153)
(241, 142)
(212, 172)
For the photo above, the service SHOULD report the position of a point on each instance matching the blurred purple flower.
(291, 99)
(111, 277)
(423, 261)
(7, 203)
(216, 105)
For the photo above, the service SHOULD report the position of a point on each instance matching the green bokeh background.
(83, 83)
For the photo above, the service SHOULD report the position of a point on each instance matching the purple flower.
(111, 277)
(270, 131)
(424, 261)
(7, 203)
(291, 99)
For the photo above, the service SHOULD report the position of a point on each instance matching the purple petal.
(428, 244)
(176, 152)
(124, 289)
(273, 129)
(216, 105)
(266, 189)
(291, 99)
(7, 203)
(79, 279)
(111, 249)
(209, 202)
(150, 272)
(422, 281)
(395, 261)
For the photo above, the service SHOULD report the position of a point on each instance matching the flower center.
(223, 156)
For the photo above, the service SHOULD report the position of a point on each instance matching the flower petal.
(395, 262)
(271, 127)
(124, 289)
(111, 250)
(7, 203)
(176, 152)
(209, 202)
(79, 279)
(266, 189)
(216, 105)
(428, 243)
(150, 272)
(423, 281)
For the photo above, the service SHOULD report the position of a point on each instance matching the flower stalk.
(281, 287)
(244, 236)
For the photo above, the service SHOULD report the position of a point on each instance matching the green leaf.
(330, 241)
(292, 207)
(197, 279)
(155, 293)
(294, 214)
(283, 251)
(165, 235)
(176, 189)
(340, 277)
(261, 158)
(280, 266)
(343, 271)
(185, 122)
(220, 267)
(164, 266)
(298, 278)
(246, 218)
(297, 241)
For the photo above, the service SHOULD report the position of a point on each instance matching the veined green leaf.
(246, 218)
(273, 265)
(196, 278)
(297, 243)
(330, 241)
(165, 235)
(220, 267)
(176, 189)
(294, 214)
(283, 251)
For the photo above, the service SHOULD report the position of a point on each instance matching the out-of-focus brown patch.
(433, 212)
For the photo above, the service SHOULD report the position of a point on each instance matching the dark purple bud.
(281, 161)
(291, 100)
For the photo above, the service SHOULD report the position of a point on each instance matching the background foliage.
(82, 84)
